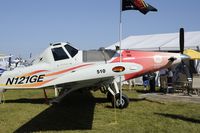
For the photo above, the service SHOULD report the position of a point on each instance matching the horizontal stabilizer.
(193, 54)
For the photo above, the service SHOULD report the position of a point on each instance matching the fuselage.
(55, 68)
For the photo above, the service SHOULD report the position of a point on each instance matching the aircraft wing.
(91, 83)
(193, 54)
(84, 75)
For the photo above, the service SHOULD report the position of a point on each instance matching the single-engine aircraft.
(5, 62)
(69, 69)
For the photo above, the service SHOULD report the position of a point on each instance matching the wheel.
(109, 96)
(116, 101)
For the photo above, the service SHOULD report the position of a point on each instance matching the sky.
(29, 26)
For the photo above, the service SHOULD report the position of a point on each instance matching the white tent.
(1, 55)
(160, 42)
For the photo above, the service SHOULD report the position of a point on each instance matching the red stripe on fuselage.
(66, 70)
(151, 61)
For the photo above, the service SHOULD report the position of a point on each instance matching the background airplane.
(5, 62)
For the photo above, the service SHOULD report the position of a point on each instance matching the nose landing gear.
(113, 96)
(116, 101)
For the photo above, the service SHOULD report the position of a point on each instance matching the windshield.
(71, 50)
(59, 54)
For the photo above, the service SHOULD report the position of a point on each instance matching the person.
(16, 62)
(117, 48)
(145, 79)
(163, 79)
(169, 80)
(131, 83)
(152, 82)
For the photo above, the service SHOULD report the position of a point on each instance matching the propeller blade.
(181, 41)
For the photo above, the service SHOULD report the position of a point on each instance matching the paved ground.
(171, 97)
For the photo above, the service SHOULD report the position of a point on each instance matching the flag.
(137, 5)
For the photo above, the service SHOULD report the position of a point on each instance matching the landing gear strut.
(2, 97)
(113, 96)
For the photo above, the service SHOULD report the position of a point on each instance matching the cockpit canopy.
(57, 52)
(62, 51)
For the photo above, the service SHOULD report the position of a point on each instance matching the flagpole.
(120, 30)
(131, 5)
(120, 49)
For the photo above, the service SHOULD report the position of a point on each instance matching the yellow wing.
(193, 54)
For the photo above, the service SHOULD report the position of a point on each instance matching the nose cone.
(184, 57)
(179, 58)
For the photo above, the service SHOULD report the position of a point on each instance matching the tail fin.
(1, 71)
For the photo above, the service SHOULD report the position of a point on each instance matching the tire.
(116, 101)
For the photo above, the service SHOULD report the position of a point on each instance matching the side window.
(71, 50)
(59, 54)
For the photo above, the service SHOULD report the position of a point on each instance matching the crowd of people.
(166, 78)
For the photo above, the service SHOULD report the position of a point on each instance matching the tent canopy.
(160, 42)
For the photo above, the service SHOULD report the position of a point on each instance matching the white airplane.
(69, 69)
(4, 62)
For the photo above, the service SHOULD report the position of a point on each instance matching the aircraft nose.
(184, 57)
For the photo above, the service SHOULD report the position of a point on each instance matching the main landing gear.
(113, 96)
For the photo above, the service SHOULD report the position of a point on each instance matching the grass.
(25, 111)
